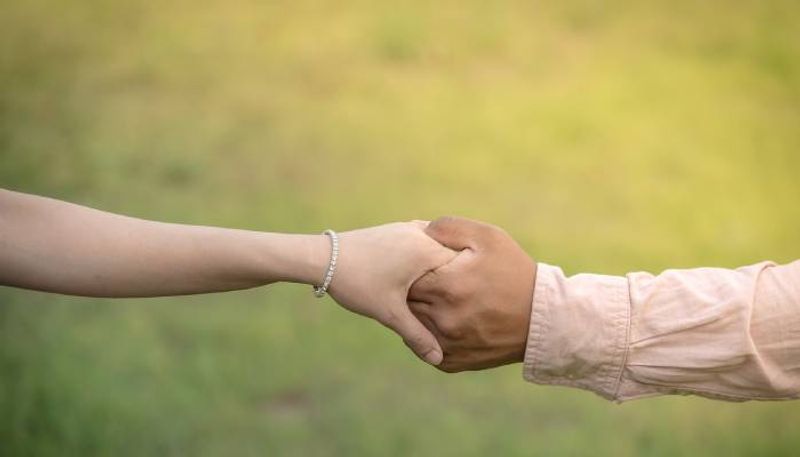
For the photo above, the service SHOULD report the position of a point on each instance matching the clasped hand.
(457, 291)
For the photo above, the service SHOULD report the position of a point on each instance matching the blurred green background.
(605, 136)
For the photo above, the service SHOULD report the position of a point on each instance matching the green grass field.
(606, 137)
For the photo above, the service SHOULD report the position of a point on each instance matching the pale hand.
(374, 272)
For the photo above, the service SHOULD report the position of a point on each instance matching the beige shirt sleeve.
(725, 334)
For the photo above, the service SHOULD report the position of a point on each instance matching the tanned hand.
(479, 305)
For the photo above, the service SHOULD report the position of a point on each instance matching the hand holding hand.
(374, 272)
(478, 306)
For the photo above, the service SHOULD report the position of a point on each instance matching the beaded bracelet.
(321, 290)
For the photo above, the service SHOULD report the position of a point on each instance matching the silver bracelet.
(321, 290)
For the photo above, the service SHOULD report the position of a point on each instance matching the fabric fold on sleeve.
(578, 334)
(714, 332)
(719, 333)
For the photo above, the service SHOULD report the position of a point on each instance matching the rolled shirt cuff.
(579, 331)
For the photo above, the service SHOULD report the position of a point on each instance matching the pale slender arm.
(56, 246)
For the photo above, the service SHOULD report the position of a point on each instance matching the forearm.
(60, 247)
(731, 334)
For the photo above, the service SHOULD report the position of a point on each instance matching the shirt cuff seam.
(608, 381)
(624, 298)
(538, 321)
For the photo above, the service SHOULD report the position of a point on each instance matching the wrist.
(315, 258)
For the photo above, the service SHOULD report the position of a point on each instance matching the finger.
(456, 232)
(419, 309)
(437, 283)
(426, 288)
(441, 255)
(422, 311)
(418, 338)
(438, 255)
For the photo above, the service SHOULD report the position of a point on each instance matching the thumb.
(416, 336)
(456, 233)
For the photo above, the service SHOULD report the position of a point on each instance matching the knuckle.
(450, 328)
(492, 233)
(456, 292)
(424, 285)
(417, 308)
(443, 224)
(449, 295)
(445, 220)
(431, 282)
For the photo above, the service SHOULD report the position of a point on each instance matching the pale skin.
(55, 246)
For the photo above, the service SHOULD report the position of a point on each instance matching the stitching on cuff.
(607, 378)
(625, 298)
(538, 322)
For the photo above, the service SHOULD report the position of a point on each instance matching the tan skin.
(479, 305)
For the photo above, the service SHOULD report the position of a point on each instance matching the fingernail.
(434, 357)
